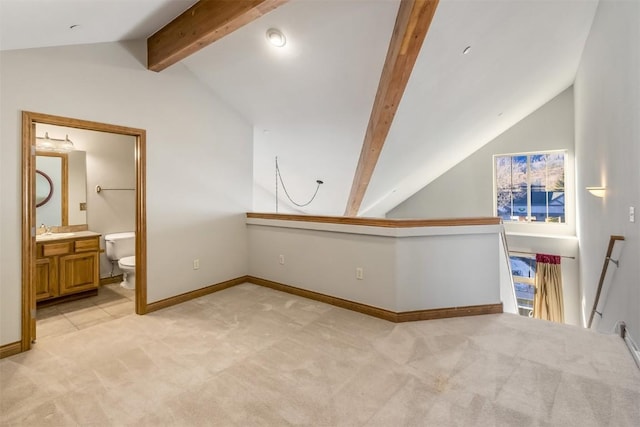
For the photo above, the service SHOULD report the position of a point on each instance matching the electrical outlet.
(632, 214)
(359, 273)
(196, 264)
(282, 259)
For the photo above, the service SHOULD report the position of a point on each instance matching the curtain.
(548, 302)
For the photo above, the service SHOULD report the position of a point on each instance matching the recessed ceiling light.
(466, 50)
(276, 38)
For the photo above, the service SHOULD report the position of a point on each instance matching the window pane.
(524, 296)
(511, 187)
(530, 187)
(504, 205)
(523, 266)
(547, 187)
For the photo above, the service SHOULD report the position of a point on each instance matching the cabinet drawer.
(53, 249)
(86, 245)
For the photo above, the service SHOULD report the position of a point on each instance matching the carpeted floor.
(251, 356)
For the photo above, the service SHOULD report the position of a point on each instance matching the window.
(530, 187)
(523, 270)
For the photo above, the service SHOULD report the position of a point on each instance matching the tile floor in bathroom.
(112, 302)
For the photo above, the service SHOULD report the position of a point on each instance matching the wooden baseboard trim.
(110, 280)
(168, 302)
(10, 349)
(316, 296)
(445, 313)
(391, 316)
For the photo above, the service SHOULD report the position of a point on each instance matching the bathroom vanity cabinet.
(67, 266)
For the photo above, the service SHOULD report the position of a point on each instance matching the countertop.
(54, 237)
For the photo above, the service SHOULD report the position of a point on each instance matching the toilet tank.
(120, 245)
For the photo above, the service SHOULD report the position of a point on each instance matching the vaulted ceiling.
(310, 102)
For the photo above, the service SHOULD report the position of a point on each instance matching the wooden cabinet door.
(79, 272)
(46, 280)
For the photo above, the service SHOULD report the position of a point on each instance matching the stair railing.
(603, 275)
(509, 298)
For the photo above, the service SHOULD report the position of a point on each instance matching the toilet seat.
(129, 261)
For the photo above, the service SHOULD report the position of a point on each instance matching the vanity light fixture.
(65, 145)
(54, 145)
(45, 144)
(597, 191)
(276, 37)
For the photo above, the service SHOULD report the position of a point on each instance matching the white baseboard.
(633, 348)
(623, 331)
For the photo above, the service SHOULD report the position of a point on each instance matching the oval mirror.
(44, 188)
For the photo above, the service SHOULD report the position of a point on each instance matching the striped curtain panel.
(548, 302)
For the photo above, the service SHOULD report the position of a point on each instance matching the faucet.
(47, 230)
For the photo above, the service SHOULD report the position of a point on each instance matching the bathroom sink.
(53, 236)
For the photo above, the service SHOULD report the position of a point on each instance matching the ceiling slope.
(523, 53)
(26, 24)
(310, 101)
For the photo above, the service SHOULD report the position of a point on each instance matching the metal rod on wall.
(533, 253)
(99, 189)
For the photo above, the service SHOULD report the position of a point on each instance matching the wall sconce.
(597, 191)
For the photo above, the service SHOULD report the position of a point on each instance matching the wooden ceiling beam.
(199, 26)
(412, 23)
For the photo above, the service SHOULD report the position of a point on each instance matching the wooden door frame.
(29, 120)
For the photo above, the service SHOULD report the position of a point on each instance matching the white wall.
(447, 271)
(436, 267)
(607, 93)
(467, 190)
(110, 164)
(325, 262)
(77, 186)
(199, 160)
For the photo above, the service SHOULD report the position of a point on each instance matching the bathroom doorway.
(71, 214)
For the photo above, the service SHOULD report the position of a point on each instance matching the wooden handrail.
(380, 222)
(605, 266)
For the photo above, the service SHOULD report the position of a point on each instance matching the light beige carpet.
(251, 356)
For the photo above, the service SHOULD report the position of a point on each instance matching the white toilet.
(121, 247)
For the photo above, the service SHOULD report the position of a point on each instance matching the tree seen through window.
(530, 187)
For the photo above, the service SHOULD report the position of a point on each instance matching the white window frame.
(541, 227)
